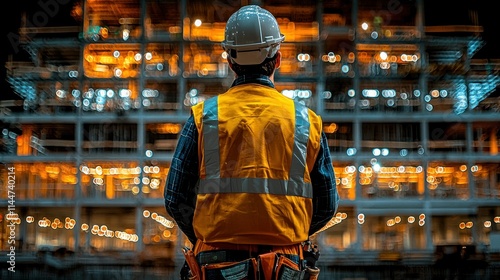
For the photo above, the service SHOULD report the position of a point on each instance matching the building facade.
(411, 115)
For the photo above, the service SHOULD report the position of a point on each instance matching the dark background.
(11, 21)
(438, 12)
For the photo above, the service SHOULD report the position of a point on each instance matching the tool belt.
(242, 265)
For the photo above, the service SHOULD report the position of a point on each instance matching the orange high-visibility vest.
(256, 150)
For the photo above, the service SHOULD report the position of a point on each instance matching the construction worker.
(251, 177)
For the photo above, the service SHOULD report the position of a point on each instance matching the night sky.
(9, 25)
(438, 12)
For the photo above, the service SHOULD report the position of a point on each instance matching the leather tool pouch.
(276, 267)
(311, 273)
(195, 272)
(266, 265)
(244, 270)
(286, 269)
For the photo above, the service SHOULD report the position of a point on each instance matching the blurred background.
(95, 92)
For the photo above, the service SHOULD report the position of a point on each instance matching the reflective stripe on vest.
(213, 183)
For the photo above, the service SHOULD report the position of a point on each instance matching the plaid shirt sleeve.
(325, 194)
(182, 179)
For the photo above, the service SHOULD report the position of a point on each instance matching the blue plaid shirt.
(183, 176)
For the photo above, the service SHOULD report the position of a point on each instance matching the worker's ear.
(278, 60)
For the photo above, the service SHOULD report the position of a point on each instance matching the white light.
(370, 92)
(388, 93)
(197, 23)
(193, 92)
(125, 34)
(403, 152)
(332, 57)
(385, 65)
(303, 93)
(345, 68)
(364, 25)
(288, 93)
(194, 100)
(124, 93)
(118, 72)
(383, 55)
(73, 74)
(101, 92)
(60, 93)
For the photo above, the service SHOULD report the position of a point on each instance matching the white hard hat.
(252, 34)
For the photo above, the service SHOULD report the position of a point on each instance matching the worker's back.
(257, 149)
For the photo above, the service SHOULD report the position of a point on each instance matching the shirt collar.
(255, 79)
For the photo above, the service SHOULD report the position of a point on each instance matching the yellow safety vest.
(256, 150)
